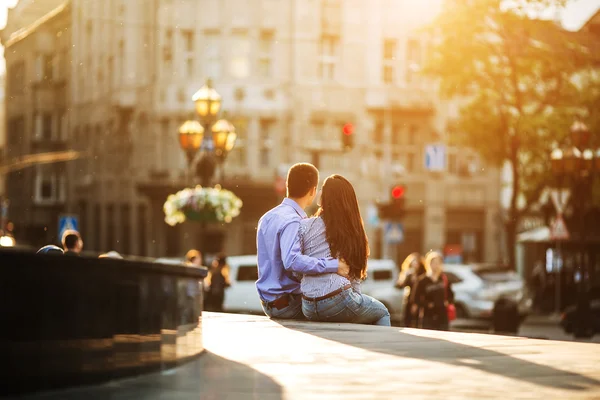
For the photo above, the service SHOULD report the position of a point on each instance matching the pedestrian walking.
(217, 281)
(433, 295)
(411, 271)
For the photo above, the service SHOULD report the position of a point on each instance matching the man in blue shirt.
(278, 248)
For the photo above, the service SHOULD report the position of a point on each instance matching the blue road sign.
(66, 222)
(372, 215)
(435, 157)
(394, 232)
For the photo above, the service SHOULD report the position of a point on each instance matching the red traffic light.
(397, 192)
(348, 129)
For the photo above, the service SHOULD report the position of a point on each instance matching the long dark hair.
(344, 227)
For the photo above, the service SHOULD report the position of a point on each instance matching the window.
(410, 162)
(452, 163)
(318, 130)
(266, 138)
(111, 63)
(452, 278)
(413, 57)
(265, 56)
(190, 67)
(48, 67)
(328, 56)
(382, 275)
(396, 133)
(188, 40)
(378, 133)
(412, 135)
(240, 56)
(16, 78)
(389, 57)
(44, 126)
(47, 126)
(247, 273)
(49, 186)
(212, 55)
(16, 130)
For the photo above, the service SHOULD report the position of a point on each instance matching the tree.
(513, 76)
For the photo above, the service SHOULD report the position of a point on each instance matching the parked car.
(478, 286)
(592, 326)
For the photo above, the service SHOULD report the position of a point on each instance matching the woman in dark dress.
(216, 282)
(433, 293)
(411, 271)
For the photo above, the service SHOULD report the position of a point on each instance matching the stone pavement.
(251, 357)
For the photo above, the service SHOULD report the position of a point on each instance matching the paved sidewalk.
(251, 357)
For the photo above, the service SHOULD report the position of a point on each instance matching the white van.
(242, 296)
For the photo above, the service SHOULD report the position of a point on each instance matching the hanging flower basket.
(202, 204)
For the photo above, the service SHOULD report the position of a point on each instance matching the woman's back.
(314, 244)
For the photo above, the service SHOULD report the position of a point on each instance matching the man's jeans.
(292, 311)
(348, 306)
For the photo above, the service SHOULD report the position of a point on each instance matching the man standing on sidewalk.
(278, 248)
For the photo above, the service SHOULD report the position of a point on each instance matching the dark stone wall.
(69, 320)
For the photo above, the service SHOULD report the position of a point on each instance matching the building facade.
(291, 75)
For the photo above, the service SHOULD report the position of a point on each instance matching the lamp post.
(193, 138)
(574, 166)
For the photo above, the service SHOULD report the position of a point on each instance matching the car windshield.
(495, 273)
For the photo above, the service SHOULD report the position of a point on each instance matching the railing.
(71, 320)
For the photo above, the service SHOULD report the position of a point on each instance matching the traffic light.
(348, 137)
(394, 209)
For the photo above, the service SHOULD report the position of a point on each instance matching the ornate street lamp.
(193, 134)
(224, 136)
(207, 101)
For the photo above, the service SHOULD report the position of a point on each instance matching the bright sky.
(4, 4)
(572, 18)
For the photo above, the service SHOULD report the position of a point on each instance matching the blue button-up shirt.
(279, 254)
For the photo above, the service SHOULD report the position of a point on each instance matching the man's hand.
(343, 268)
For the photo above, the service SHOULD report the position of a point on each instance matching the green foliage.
(513, 76)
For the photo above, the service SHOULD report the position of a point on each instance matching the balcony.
(43, 146)
(410, 98)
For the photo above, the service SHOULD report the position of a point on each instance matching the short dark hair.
(301, 179)
(70, 239)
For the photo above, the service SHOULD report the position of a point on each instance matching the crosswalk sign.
(394, 233)
(65, 223)
(558, 230)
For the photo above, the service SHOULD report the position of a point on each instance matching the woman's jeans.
(348, 306)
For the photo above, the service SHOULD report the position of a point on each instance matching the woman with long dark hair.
(338, 231)
(411, 271)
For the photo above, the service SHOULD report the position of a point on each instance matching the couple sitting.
(312, 267)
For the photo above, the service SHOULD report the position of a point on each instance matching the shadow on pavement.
(405, 342)
(210, 377)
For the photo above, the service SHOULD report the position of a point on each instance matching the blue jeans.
(348, 306)
(292, 311)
